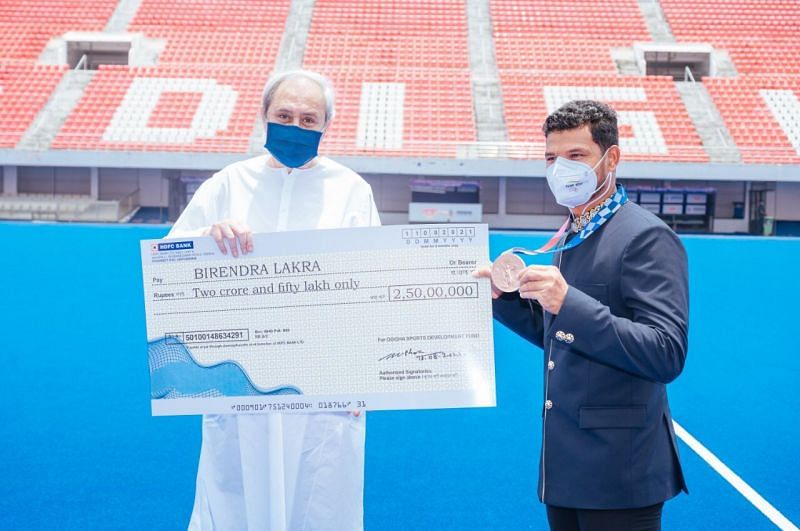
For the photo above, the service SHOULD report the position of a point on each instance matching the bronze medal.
(505, 270)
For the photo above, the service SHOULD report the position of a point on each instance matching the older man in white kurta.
(281, 472)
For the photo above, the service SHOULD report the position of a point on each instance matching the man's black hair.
(601, 118)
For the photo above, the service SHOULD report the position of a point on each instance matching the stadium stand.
(388, 34)
(24, 89)
(762, 37)
(615, 22)
(235, 32)
(432, 120)
(204, 95)
(26, 26)
(544, 35)
(655, 124)
(520, 53)
(210, 109)
(66, 207)
(414, 78)
(759, 107)
(653, 121)
(762, 114)
(402, 69)
(401, 75)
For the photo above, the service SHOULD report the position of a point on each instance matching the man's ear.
(612, 158)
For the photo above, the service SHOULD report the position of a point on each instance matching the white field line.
(738, 483)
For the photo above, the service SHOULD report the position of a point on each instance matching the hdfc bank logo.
(171, 246)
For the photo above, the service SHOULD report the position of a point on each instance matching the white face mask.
(573, 182)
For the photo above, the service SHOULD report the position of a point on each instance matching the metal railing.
(81, 65)
(639, 149)
(128, 204)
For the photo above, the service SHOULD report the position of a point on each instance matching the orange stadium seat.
(388, 33)
(547, 55)
(214, 31)
(762, 114)
(649, 107)
(516, 53)
(420, 44)
(219, 52)
(209, 43)
(438, 111)
(26, 27)
(212, 109)
(564, 34)
(24, 89)
(762, 37)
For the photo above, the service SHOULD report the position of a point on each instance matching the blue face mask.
(292, 146)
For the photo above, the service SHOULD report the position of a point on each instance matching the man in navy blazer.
(611, 315)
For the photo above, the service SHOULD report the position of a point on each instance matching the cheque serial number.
(209, 336)
(418, 292)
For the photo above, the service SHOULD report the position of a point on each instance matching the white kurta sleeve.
(374, 217)
(362, 211)
(201, 212)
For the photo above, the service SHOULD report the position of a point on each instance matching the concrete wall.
(787, 201)
(53, 180)
(116, 183)
(531, 197)
(508, 202)
(153, 187)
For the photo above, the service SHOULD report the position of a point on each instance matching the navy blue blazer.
(619, 338)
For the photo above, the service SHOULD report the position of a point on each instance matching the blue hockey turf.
(82, 451)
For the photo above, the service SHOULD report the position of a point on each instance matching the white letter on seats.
(129, 123)
(647, 137)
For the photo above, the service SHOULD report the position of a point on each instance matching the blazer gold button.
(569, 338)
(560, 335)
(548, 404)
(551, 365)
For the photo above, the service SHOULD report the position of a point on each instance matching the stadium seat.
(402, 73)
(207, 32)
(24, 89)
(654, 123)
(210, 108)
(418, 47)
(564, 35)
(762, 114)
(761, 37)
(26, 27)
(437, 111)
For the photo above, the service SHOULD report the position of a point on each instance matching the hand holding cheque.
(236, 235)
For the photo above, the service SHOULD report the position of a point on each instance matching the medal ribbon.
(597, 221)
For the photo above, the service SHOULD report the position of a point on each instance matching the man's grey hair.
(276, 79)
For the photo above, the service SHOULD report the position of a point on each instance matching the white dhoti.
(280, 472)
